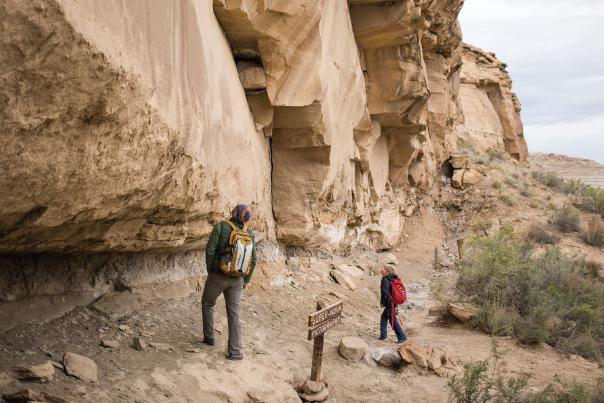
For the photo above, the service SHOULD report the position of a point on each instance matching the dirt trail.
(275, 308)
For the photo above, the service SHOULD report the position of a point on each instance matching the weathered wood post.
(317, 352)
(319, 322)
(460, 247)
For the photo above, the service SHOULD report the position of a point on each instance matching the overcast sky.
(555, 54)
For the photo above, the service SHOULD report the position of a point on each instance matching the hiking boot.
(232, 357)
(209, 342)
(382, 337)
(401, 341)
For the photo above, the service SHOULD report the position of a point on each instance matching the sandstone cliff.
(490, 110)
(133, 126)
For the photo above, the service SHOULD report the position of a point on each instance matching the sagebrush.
(548, 298)
(480, 383)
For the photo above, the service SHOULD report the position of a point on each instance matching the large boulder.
(412, 353)
(471, 177)
(80, 367)
(352, 348)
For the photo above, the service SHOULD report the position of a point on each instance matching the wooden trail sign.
(319, 322)
(323, 316)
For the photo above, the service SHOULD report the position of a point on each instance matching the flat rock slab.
(343, 279)
(462, 312)
(108, 343)
(353, 348)
(349, 270)
(42, 373)
(80, 367)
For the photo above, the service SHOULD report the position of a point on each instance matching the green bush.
(507, 200)
(540, 234)
(480, 383)
(594, 232)
(548, 298)
(550, 179)
(511, 183)
(567, 219)
(594, 200)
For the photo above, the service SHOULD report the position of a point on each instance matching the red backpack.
(399, 294)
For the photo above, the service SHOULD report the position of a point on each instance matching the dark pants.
(232, 288)
(385, 323)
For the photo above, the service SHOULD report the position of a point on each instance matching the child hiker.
(392, 294)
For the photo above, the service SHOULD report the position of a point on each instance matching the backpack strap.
(233, 226)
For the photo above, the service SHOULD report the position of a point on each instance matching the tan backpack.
(238, 258)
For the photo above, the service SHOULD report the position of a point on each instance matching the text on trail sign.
(323, 320)
(325, 314)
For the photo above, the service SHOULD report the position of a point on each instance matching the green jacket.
(217, 245)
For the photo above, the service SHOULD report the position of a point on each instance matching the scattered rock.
(58, 365)
(139, 344)
(337, 295)
(386, 357)
(161, 346)
(437, 359)
(108, 343)
(352, 348)
(124, 328)
(343, 279)
(462, 312)
(457, 180)
(24, 395)
(41, 373)
(349, 270)
(413, 353)
(459, 161)
(312, 387)
(471, 177)
(388, 258)
(316, 397)
(80, 367)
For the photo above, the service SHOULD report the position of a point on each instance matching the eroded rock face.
(121, 139)
(491, 111)
(134, 126)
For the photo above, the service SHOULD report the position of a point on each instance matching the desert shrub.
(567, 219)
(479, 383)
(507, 200)
(496, 185)
(496, 154)
(592, 268)
(594, 200)
(594, 232)
(546, 298)
(539, 233)
(550, 179)
(511, 183)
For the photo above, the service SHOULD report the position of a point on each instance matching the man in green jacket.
(219, 283)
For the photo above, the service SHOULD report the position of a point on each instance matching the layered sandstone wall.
(124, 127)
(490, 110)
(133, 126)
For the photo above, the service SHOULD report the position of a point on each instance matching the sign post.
(318, 323)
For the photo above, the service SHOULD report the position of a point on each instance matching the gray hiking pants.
(232, 287)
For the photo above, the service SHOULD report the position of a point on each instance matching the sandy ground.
(274, 314)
